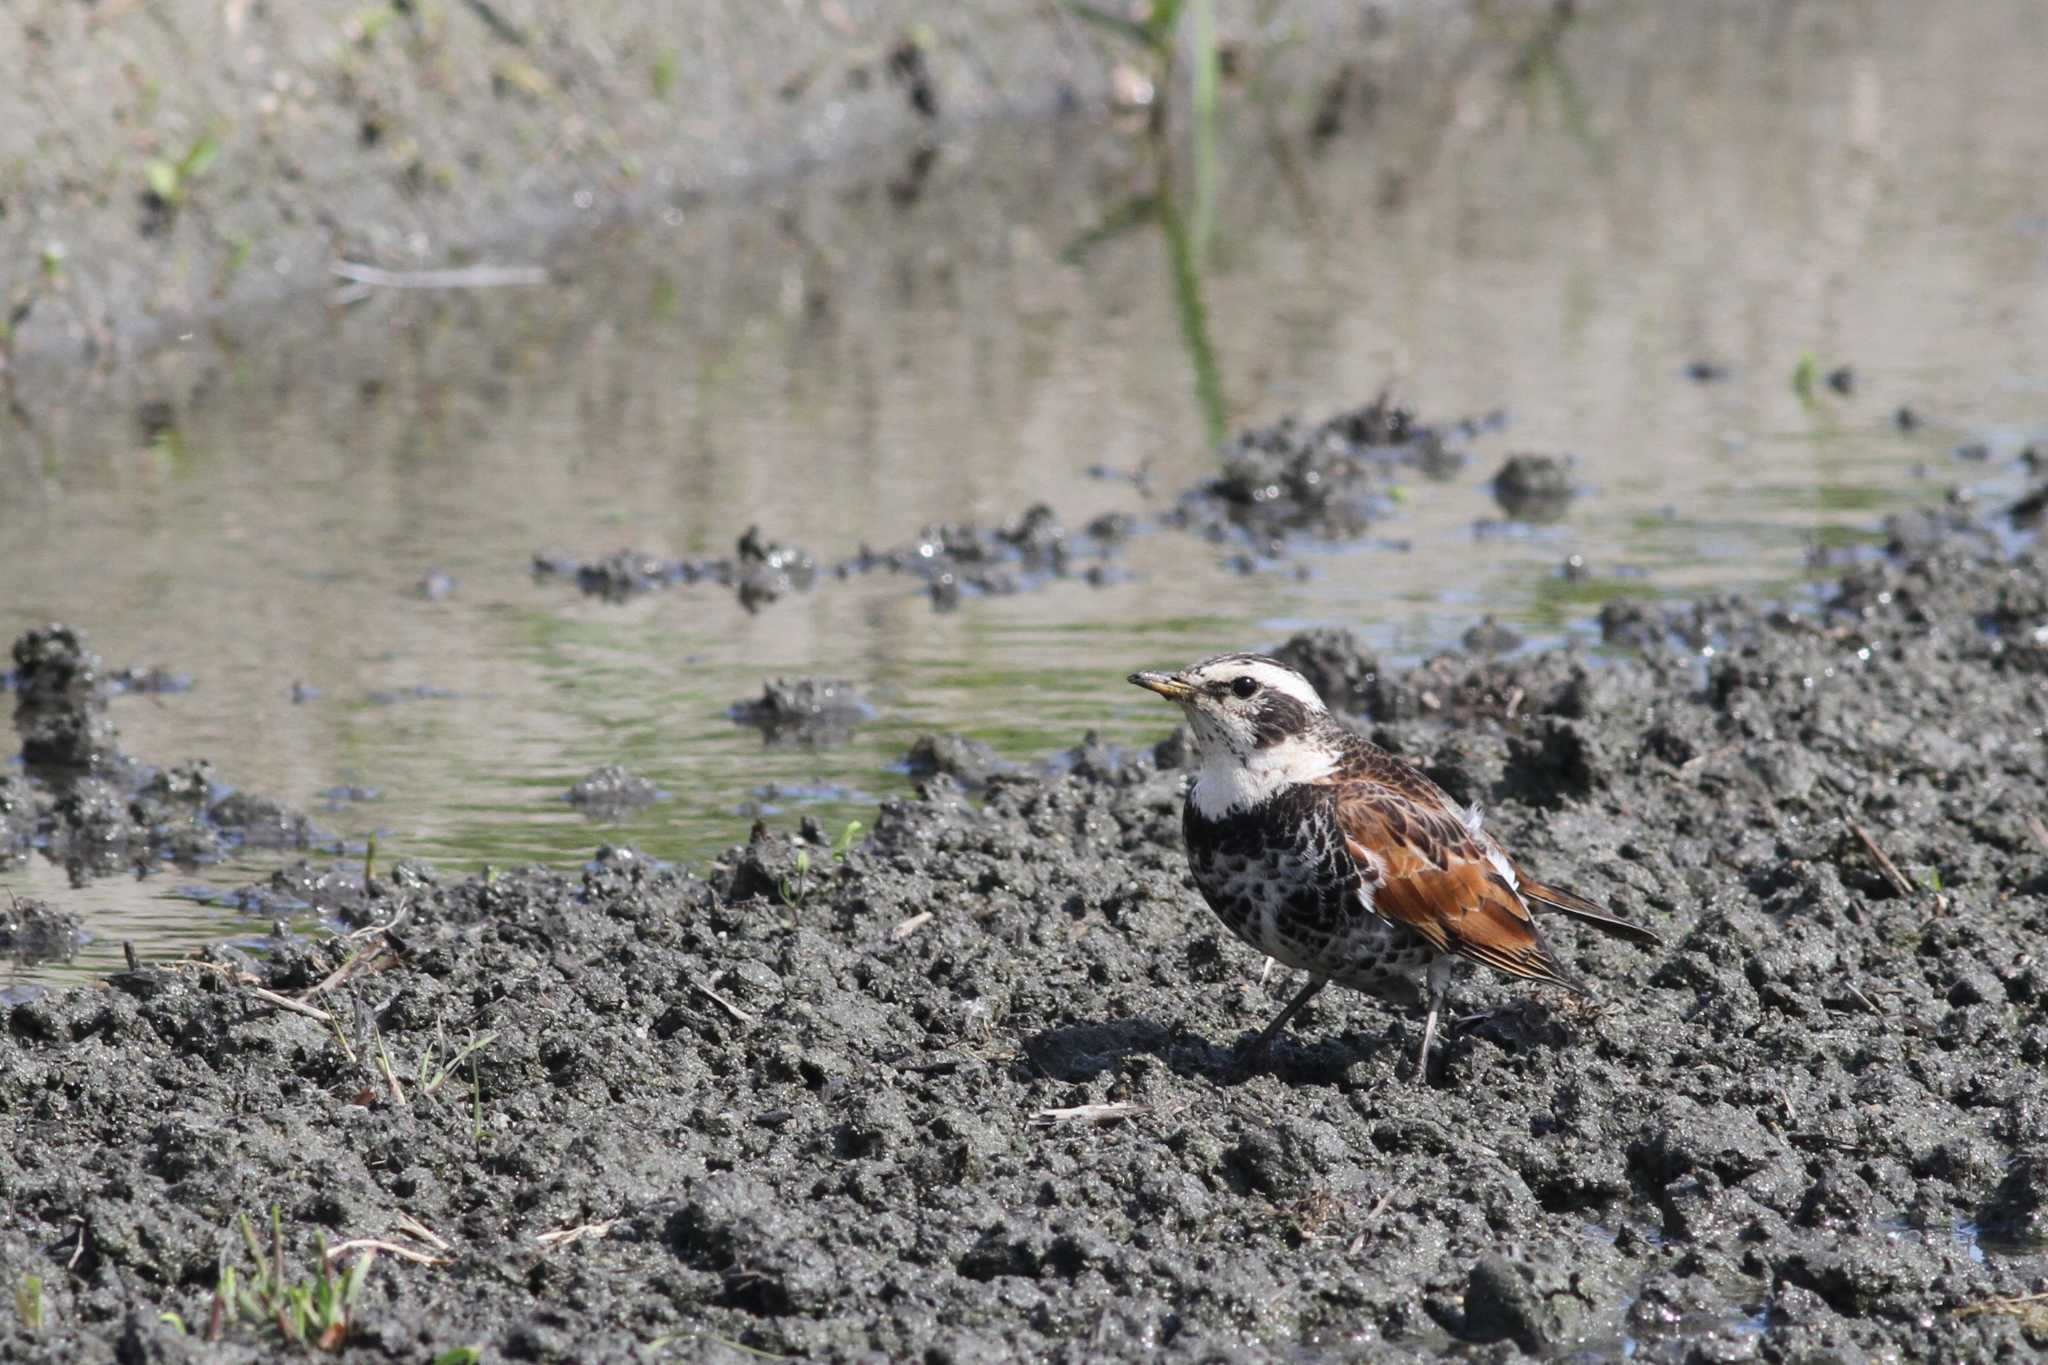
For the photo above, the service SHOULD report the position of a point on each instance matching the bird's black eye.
(1244, 687)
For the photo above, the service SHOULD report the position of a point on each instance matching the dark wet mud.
(967, 1089)
(1283, 488)
(95, 811)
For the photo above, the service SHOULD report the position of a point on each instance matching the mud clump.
(970, 1087)
(1491, 637)
(33, 931)
(950, 561)
(765, 571)
(623, 574)
(60, 705)
(1344, 673)
(1281, 483)
(1631, 624)
(1329, 481)
(93, 810)
(1534, 488)
(610, 792)
(803, 710)
(968, 761)
(2030, 508)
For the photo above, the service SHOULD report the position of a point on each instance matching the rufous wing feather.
(1426, 870)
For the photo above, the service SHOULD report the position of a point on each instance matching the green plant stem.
(1202, 74)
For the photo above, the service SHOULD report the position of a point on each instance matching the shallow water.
(1552, 230)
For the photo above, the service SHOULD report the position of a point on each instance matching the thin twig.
(413, 1227)
(562, 1237)
(235, 976)
(390, 1074)
(386, 927)
(1868, 1003)
(373, 1245)
(356, 965)
(715, 998)
(468, 277)
(1884, 863)
(911, 925)
(2031, 1307)
(285, 1002)
(1089, 1113)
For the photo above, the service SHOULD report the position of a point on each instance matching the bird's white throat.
(1229, 781)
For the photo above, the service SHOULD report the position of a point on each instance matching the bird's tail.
(1579, 908)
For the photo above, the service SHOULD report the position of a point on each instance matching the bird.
(1329, 854)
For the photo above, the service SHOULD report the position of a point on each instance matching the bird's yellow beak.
(1167, 686)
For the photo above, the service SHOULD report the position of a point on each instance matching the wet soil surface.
(970, 1090)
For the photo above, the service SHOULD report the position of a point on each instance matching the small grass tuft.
(28, 1302)
(171, 181)
(429, 1079)
(795, 890)
(316, 1313)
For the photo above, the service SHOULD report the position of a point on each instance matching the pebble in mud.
(971, 1087)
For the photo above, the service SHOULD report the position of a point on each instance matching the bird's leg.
(1272, 1030)
(1439, 986)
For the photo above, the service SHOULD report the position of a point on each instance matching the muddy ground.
(808, 1105)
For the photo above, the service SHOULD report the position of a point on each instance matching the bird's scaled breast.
(1279, 877)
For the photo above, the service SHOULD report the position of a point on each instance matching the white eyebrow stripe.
(1277, 677)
